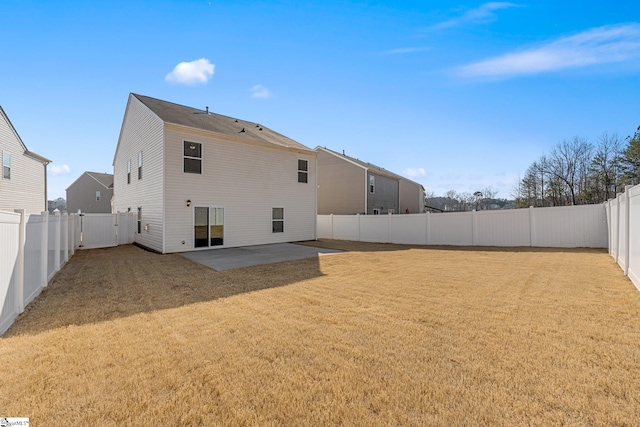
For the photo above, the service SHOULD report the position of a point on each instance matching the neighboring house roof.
(104, 179)
(205, 120)
(368, 166)
(31, 154)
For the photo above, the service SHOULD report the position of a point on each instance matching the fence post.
(474, 227)
(627, 224)
(65, 240)
(331, 227)
(72, 234)
(428, 234)
(44, 248)
(532, 229)
(56, 244)
(22, 234)
(608, 210)
(359, 238)
(389, 240)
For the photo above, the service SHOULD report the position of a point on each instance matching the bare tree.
(605, 167)
(568, 164)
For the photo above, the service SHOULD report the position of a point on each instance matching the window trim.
(304, 172)
(277, 220)
(184, 156)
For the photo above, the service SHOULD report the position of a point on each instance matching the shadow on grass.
(350, 246)
(100, 285)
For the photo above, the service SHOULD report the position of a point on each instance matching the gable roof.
(205, 120)
(31, 154)
(104, 179)
(368, 166)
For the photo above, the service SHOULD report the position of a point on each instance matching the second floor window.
(192, 157)
(372, 184)
(303, 171)
(97, 196)
(6, 165)
(129, 172)
(140, 165)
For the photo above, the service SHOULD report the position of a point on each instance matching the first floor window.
(192, 157)
(139, 219)
(303, 171)
(277, 220)
(6, 165)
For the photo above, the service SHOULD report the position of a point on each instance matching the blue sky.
(453, 95)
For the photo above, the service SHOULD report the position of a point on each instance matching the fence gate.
(98, 231)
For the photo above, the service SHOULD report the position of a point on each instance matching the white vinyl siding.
(26, 188)
(142, 131)
(248, 180)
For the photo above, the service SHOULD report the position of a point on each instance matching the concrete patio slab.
(225, 259)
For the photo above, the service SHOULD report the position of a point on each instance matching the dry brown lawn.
(378, 335)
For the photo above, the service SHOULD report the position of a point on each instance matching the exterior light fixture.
(188, 203)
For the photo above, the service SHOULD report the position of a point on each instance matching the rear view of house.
(199, 180)
(90, 193)
(348, 186)
(23, 181)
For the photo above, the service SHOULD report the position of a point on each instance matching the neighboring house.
(90, 193)
(199, 180)
(348, 186)
(23, 181)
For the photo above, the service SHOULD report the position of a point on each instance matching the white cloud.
(259, 91)
(404, 50)
(480, 15)
(59, 170)
(414, 173)
(600, 45)
(198, 71)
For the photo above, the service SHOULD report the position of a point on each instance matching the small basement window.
(303, 171)
(192, 157)
(277, 220)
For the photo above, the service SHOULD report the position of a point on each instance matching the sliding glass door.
(208, 227)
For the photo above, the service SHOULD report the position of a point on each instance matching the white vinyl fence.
(33, 248)
(568, 226)
(623, 215)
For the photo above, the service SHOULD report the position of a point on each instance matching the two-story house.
(348, 186)
(200, 180)
(23, 181)
(90, 193)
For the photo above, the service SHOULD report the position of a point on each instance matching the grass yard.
(378, 335)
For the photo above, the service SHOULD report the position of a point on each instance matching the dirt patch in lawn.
(379, 335)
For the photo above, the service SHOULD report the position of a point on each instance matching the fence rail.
(33, 248)
(570, 226)
(623, 218)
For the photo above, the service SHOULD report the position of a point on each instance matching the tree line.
(578, 172)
